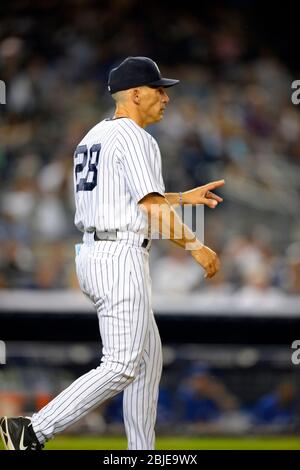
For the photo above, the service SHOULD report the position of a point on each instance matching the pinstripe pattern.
(140, 397)
(129, 168)
(115, 276)
(131, 345)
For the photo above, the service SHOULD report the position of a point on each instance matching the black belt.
(97, 239)
(145, 243)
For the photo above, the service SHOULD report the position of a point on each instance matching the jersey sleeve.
(140, 164)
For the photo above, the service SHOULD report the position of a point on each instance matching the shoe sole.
(9, 444)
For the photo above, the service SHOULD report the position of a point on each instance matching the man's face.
(153, 102)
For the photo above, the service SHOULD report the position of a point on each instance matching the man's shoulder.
(95, 130)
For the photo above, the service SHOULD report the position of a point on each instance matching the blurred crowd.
(231, 117)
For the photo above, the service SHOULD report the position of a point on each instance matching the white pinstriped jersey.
(116, 164)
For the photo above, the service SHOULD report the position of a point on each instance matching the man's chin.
(158, 118)
(154, 121)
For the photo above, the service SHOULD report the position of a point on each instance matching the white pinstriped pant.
(115, 276)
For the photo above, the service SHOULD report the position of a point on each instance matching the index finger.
(215, 184)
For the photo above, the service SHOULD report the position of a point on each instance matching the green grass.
(170, 443)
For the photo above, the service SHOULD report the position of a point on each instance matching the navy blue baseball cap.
(137, 71)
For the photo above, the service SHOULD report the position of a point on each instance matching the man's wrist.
(182, 199)
(194, 245)
(195, 248)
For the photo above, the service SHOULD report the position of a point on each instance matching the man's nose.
(166, 99)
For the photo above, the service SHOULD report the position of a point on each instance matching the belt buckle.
(105, 236)
(113, 235)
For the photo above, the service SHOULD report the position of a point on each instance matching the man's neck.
(129, 113)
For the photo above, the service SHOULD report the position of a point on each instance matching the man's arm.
(200, 195)
(164, 219)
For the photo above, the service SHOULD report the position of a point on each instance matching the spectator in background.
(257, 291)
(293, 269)
(206, 403)
(175, 273)
(277, 408)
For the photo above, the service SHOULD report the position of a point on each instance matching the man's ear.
(136, 96)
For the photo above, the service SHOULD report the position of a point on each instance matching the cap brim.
(164, 82)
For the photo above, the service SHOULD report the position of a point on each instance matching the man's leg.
(140, 397)
(77, 400)
(124, 324)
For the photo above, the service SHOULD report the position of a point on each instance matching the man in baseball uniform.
(120, 197)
